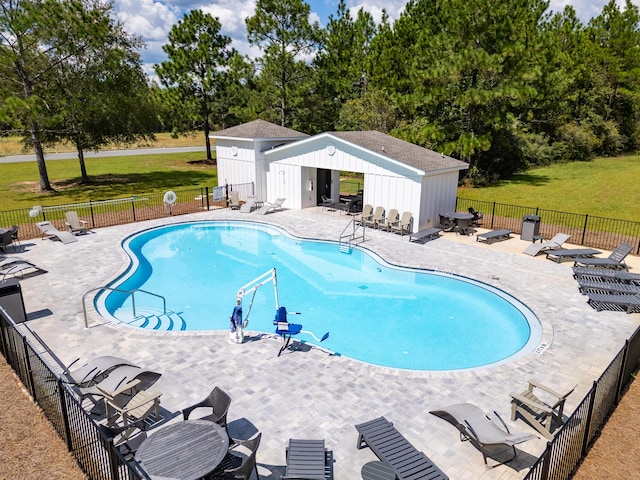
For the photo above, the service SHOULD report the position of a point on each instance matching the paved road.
(105, 153)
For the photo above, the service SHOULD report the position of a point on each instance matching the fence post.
(93, 221)
(592, 401)
(27, 362)
(623, 368)
(133, 208)
(206, 191)
(65, 415)
(493, 214)
(584, 228)
(546, 463)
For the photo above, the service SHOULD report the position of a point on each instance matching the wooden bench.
(494, 236)
(425, 235)
(394, 450)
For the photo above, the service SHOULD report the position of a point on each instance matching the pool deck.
(307, 393)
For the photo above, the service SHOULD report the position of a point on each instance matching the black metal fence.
(31, 360)
(571, 443)
(117, 211)
(591, 231)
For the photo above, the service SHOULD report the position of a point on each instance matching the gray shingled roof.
(258, 129)
(396, 149)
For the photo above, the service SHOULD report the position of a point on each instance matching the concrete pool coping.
(309, 394)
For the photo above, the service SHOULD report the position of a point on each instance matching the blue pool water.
(377, 313)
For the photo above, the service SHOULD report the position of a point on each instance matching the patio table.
(187, 450)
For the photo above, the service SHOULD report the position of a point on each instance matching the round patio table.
(186, 450)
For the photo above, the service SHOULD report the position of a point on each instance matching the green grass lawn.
(605, 187)
(111, 176)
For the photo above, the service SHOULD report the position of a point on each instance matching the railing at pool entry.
(346, 239)
(130, 292)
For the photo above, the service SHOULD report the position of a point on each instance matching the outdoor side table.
(187, 450)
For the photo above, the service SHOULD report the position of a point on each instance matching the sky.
(151, 20)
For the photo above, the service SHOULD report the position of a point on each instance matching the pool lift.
(283, 327)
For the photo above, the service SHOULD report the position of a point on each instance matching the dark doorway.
(324, 185)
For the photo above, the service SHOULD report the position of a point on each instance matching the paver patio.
(311, 394)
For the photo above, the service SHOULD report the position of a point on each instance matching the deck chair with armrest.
(239, 462)
(478, 217)
(486, 432)
(367, 213)
(51, 232)
(217, 402)
(404, 225)
(75, 224)
(556, 242)
(615, 260)
(540, 406)
(249, 205)
(392, 219)
(376, 218)
(271, 207)
(234, 200)
(92, 371)
(125, 438)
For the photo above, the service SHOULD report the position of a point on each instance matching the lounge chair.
(49, 231)
(392, 219)
(615, 260)
(483, 430)
(367, 213)
(494, 236)
(570, 253)
(123, 380)
(92, 371)
(14, 266)
(376, 218)
(606, 274)
(75, 225)
(271, 207)
(329, 203)
(307, 459)
(540, 406)
(602, 286)
(249, 205)
(234, 200)
(555, 243)
(614, 301)
(218, 402)
(425, 235)
(404, 225)
(393, 449)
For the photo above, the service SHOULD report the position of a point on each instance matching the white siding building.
(287, 164)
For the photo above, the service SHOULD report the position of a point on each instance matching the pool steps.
(151, 318)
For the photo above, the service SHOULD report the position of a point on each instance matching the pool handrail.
(133, 299)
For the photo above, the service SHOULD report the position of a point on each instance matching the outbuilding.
(284, 163)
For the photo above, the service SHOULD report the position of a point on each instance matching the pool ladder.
(347, 238)
(130, 292)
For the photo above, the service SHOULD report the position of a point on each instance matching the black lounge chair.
(603, 286)
(394, 450)
(614, 301)
(615, 260)
(308, 459)
(494, 236)
(485, 432)
(571, 254)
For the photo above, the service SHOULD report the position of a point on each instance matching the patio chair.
(446, 223)
(237, 463)
(92, 371)
(14, 234)
(376, 218)
(614, 301)
(307, 459)
(249, 205)
(367, 213)
(486, 432)
(127, 439)
(329, 203)
(51, 232)
(76, 226)
(478, 217)
(393, 449)
(540, 406)
(615, 260)
(218, 401)
(234, 200)
(391, 219)
(556, 242)
(405, 225)
(271, 207)
(6, 239)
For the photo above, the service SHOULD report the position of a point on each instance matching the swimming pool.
(375, 312)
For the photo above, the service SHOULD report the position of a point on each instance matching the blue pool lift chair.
(285, 329)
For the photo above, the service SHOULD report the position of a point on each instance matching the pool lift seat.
(286, 330)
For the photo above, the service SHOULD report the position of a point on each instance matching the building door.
(324, 184)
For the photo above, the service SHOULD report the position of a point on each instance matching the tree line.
(502, 85)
